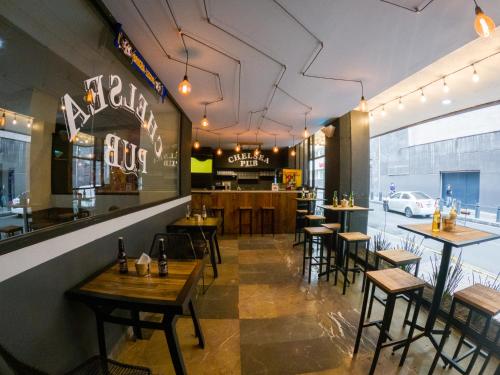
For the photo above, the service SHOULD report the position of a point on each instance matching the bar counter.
(283, 201)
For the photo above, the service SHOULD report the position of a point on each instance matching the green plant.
(454, 275)
(409, 243)
(380, 243)
(488, 281)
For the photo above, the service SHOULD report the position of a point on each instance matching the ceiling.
(367, 40)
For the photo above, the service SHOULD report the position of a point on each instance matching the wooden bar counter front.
(284, 204)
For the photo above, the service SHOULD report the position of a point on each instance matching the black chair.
(93, 366)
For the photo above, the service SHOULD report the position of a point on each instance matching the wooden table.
(460, 237)
(345, 213)
(209, 225)
(171, 296)
(311, 203)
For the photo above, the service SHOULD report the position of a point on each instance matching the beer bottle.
(162, 259)
(436, 219)
(204, 212)
(335, 199)
(122, 256)
(351, 199)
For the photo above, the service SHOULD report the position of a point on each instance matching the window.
(83, 134)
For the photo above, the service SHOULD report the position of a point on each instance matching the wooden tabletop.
(209, 222)
(460, 236)
(330, 207)
(305, 199)
(110, 285)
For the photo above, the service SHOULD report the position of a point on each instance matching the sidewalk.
(485, 218)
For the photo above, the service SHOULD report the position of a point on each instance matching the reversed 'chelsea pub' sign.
(247, 159)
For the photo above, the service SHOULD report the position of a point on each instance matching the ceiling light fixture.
(256, 152)
(446, 88)
(238, 147)
(483, 24)
(15, 120)
(475, 75)
(275, 148)
(401, 106)
(219, 149)
(204, 120)
(30, 122)
(292, 152)
(423, 98)
(185, 86)
(306, 132)
(362, 104)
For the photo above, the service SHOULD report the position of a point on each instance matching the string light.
(362, 104)
(204, 120)
(401, 106)
(292, 152)
(483, 24)
(423, 98)
(237, 148)
(475, 75)
(275, 148)
(306, 132)
(219, 149)
(185, 86)
(196, 144)
(256, 152)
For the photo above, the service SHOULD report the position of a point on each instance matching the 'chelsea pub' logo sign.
(247, 159)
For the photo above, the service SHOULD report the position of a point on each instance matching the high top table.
(171, 296)
(311, 203)
(460, 237)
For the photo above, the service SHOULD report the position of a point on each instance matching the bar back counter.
(284, 204)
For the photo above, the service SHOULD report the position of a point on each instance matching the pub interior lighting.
(292, 152)
(306, 132)
(401, 106)
(238, 147)
(483, 24)
(15, 119)
(89, 96)
(275, 148)
(362, 104)
(185, 86)
(383, 113)
(423, 98)
(204, 120)
(30, 123)
(475, 75)
(446, 88)
(256, 152)
(219, 149)
(2, 120)
(196, 144)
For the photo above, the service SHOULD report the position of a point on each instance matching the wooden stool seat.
(481, 297)
(318, 231)
(332, 226)
(301, 212)
(394, 280)
(398, 257)
(354, 236)
(315, 217)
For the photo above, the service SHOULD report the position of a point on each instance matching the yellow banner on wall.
(292, 177)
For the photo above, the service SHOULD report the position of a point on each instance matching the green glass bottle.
(335, 199)
(351, 199)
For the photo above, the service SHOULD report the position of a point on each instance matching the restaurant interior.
(249, 187)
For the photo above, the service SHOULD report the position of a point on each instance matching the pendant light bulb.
(219, 151)
(184, 87)
(275, 149)
(483, 24)
(383, 113)
(30, 122)
(204, 121)
(446, 88)
(475, 76)
(196, 145)
(89, 97)
(292, 153)
(423, 98)
(237, 148)
(401, 106)
(306, 133)
(362, 104)
(2, 120)
(256, 152)
(15, 120)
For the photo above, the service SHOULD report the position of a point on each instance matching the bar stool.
(300, 223)
(393, 281)
(11, 230)
(263, 211)
(219, 210)
(314, 219)
(243, 209)
(322, 234)
(397, 258)
(482, 301)
(355, 238)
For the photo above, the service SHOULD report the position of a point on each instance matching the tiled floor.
(261, 317)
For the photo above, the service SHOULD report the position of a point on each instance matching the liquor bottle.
(436, 219)
(188, 211)
(335, 199)
(122, 257)
(162, 259)
(203, 212)
(351, 199)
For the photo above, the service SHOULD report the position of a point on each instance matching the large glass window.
(81, 133)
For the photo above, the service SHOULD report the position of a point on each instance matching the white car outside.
(411, 203)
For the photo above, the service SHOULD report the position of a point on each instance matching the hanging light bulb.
(15, 119)
(292, 153)
(446, 88)
(237, 148)
(185, 87)
(275, 148)
(423, 98)
(475, 75)
(483, 24)
(401, 106)
(30, 122)
(362, 104)
(63, 107)
(219, 151)
(204, 120)
(2, 120)
(196, 144)
(383, 113)
(306, 132)
(256, 152)
(89, 96)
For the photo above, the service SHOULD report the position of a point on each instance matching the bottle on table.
(188, 211)
(351, 199)
(436, 219)
(122, 256)
(335, 199)
(162, 259)
(203, 212)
